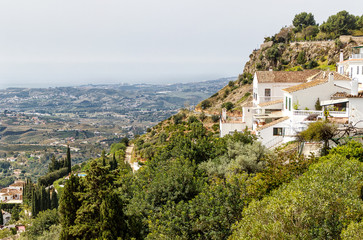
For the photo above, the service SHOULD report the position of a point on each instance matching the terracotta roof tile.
(272, 123)
(339, 95)
(270, 103)
(305, 85)
(282, 76)
(360, 95)
(17, 184)
(325, 75)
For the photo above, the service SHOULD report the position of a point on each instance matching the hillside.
(303, 45)
(193, 184)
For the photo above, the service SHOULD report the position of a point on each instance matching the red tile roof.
(282, 76)
(272, 123)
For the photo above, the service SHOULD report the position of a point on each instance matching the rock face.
(280, 56)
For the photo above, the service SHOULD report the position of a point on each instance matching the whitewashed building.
(353, 66)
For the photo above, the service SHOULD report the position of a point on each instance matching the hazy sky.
(72, 42)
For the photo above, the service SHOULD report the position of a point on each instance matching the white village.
(285, 103)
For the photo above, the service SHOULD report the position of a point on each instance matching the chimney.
(331, 77)
(341, 56)
(224, 114)
(354, 89)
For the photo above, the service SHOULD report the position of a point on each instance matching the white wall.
(307, 97)
(348, 66)
(344, 84)
(228, 128)
(276, 91)
(356, 111)
(266, 135)
(247, 116)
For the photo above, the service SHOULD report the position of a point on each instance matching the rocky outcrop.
(280, 56)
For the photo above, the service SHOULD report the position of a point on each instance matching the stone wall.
(348, 38)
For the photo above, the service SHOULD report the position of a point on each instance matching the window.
(278, 131)
(289, 104)
(286, 103)
(267, 94)
(357, 70)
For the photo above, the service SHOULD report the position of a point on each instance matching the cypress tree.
(15, 213)
(48, 200)
(103, 156)
(69, 160)
(113, 162)
(54, 202)
(35, 208)
(68, 206)
(1, 217)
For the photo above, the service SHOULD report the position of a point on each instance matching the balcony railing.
(357, 56)
(273, 142)
(269, 98)
(306, 112)
(338, 113)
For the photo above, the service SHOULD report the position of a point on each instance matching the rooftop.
(325, 75)
(305, 85)
(282, 76)
(270, 103)
(360, 95)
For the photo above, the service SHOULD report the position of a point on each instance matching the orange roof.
(360, 95)
(340, 95)
(272, 123)
(270, 103)
(282, 76)
(4, 190)
(305, 85)
(325, 75)
(17, 184)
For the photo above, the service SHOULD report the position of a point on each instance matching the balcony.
(356, 56)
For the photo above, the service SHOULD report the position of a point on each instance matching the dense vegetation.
(304, 27)
(195, 185)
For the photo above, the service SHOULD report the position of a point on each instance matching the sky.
(47, 43)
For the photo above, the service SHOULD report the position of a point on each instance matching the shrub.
(205, 104)
(301, 58)
(215, 118)
(228, 105)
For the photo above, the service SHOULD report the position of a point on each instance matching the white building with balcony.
(353, 66)
(296, 109)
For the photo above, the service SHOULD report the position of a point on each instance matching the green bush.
(228, 105)
(205, 104)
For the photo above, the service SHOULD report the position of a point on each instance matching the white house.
(298, 108)
(353, 66)
(268, 85)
